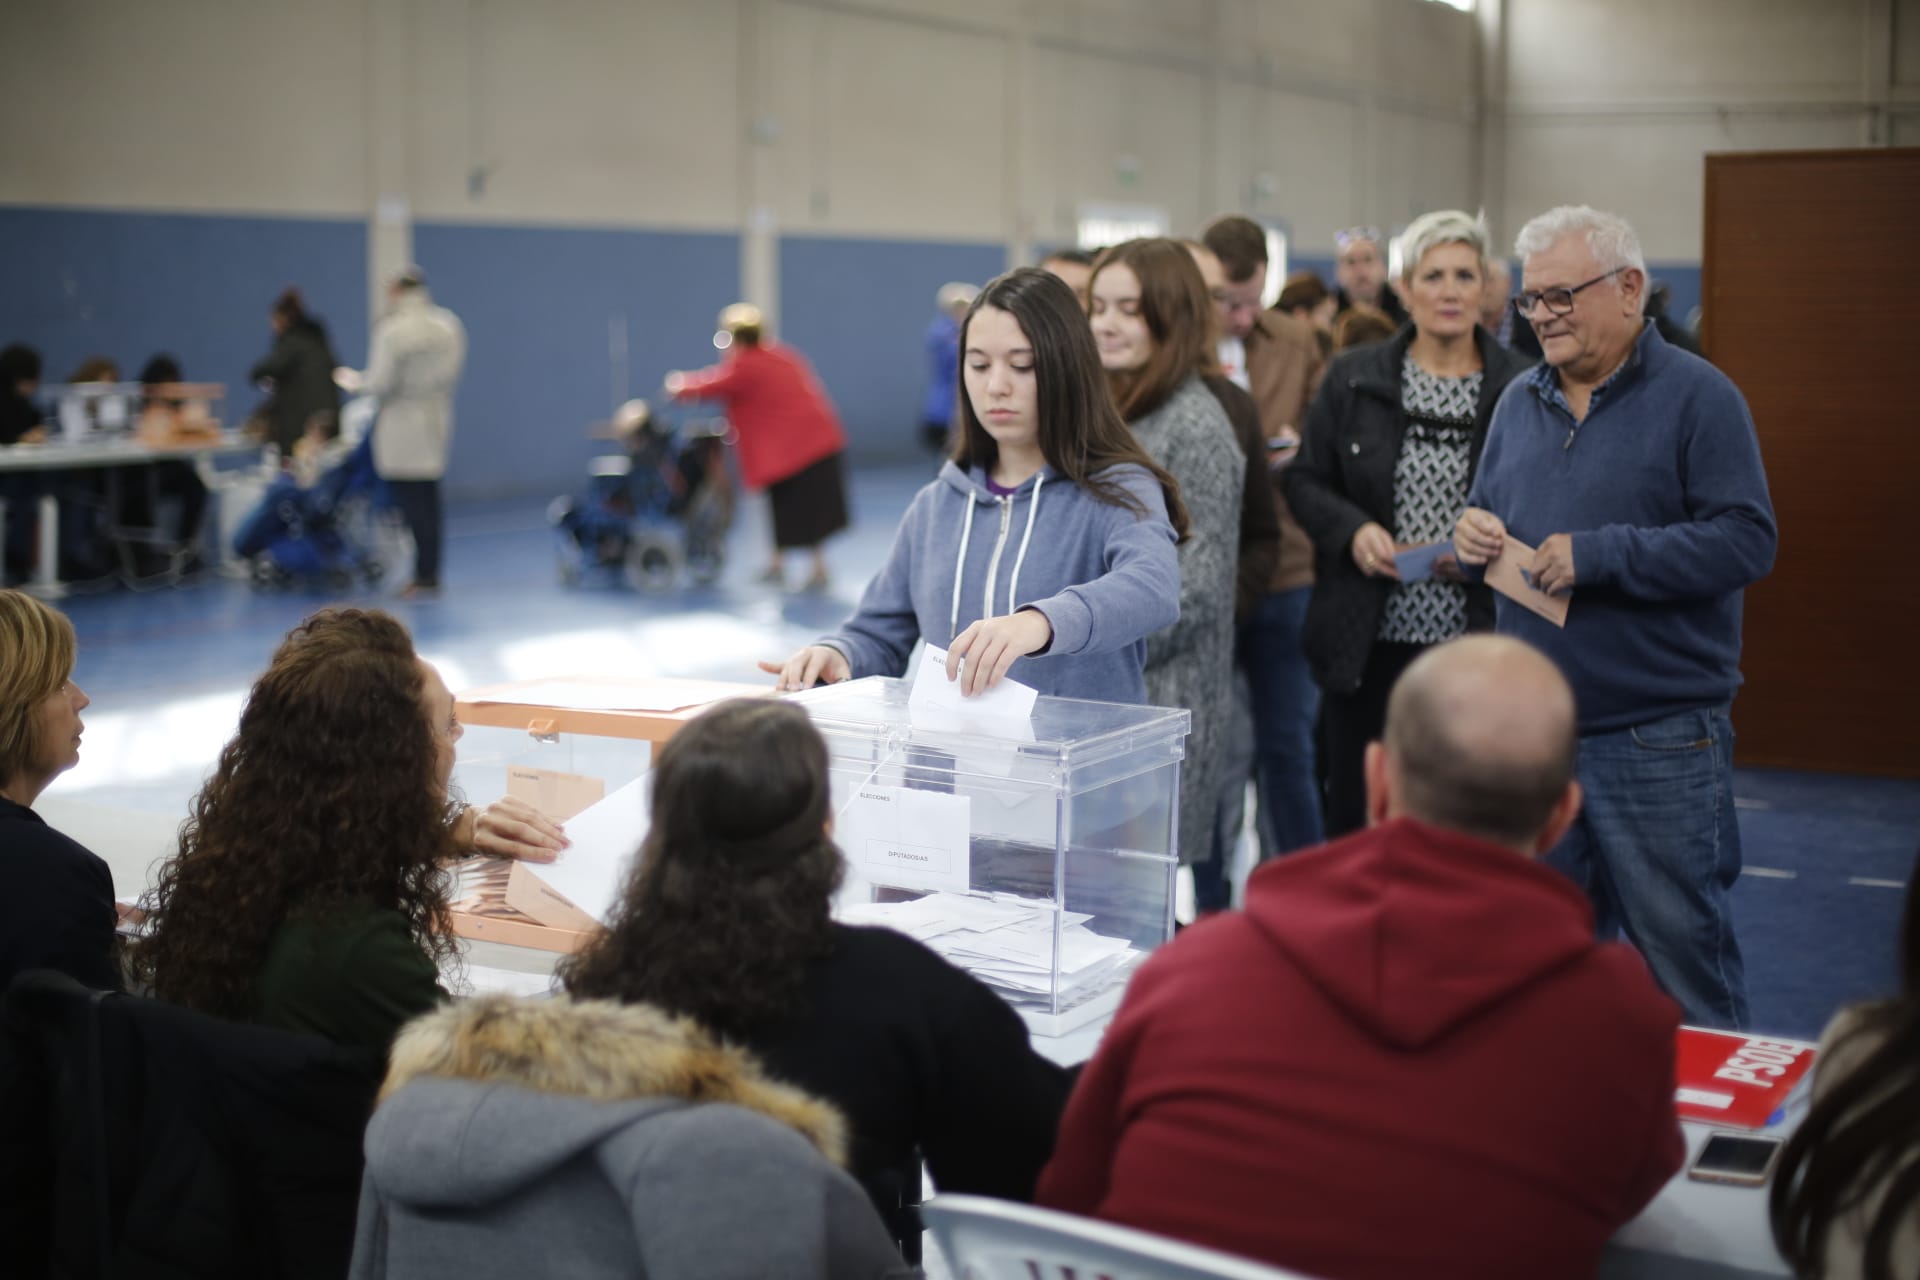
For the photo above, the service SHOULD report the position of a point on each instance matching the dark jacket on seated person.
(57, 908)
(301, 369)
(594, 1139)
(1407, 1056)
(351, 973)
(141, 1139)
(919, 1055)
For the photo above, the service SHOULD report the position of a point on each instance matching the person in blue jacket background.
(943, 365)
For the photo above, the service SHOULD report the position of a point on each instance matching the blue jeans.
(1657, 849)
(1286, 702)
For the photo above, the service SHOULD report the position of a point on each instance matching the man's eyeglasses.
(1341, 239)
(1559, 301)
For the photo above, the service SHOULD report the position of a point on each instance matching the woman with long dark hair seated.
(726, 919)
(310, 889)
(1846, 1198)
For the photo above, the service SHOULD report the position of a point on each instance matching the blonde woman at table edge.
(58, 910)
(1053, 508)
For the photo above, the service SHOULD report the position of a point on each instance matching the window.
(1105, 224)
(1276, 265)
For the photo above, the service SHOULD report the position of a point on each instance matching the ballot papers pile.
(1007, 942)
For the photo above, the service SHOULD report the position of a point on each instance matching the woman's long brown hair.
(327, 795)
(1082, 434)
(1862, 1137)
(1179, 315)
(730, 896)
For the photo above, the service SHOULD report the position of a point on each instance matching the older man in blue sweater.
(1632, 468)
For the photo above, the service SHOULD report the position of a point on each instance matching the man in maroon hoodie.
(1408, 1055)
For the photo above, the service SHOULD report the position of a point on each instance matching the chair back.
(163, 1141)
(986, 1239)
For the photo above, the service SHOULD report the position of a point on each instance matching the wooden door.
(1811, 297)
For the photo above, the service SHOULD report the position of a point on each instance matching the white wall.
(1617, 104)
(989, 122)
(188, 105)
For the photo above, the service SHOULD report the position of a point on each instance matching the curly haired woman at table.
(310, 889)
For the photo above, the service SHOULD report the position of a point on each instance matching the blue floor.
(1818, 911)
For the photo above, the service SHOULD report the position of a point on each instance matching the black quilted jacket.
(1344, 477)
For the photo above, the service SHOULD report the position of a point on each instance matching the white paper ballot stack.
(1006, 941)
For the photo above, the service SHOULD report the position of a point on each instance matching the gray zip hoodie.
(1104, 576)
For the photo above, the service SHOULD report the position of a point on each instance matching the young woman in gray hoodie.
(1047, 539)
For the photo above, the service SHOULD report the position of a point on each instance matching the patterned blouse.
(1429, 493)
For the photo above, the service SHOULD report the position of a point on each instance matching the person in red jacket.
(788, 435)
(1408, 1055)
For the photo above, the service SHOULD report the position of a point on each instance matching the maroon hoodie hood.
(1413, 930)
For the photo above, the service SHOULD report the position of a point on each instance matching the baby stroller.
(664, 504)
(323, 531)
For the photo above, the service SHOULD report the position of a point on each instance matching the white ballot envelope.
(589, 872)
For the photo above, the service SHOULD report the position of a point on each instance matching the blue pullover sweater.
(1663, 491)
(1104, 576)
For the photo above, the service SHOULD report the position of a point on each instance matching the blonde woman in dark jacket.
(1385, 463)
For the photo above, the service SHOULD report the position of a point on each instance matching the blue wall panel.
(859, 310)
(77, 283)
(538, 304)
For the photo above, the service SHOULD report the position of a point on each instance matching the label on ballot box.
(907, 838)
(1736, 1080)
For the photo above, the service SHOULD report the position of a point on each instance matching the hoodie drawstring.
(1019, 559)
(959, 571)
(1033, 509)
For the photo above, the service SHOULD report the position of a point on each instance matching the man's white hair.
(1610, 237)
(1445, 226)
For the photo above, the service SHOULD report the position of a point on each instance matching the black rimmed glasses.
(1559, 301)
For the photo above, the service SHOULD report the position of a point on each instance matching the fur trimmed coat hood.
(602, 1051)
(589, 1138)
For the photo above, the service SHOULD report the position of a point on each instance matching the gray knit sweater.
(1190, 664)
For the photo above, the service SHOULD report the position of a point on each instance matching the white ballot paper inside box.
(578, 890)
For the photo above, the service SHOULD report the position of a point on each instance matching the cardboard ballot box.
(1037, 852)
(577, 749)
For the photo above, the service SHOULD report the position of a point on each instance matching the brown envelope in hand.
(1504, 575)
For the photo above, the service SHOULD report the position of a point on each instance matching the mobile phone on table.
(1735, 1159)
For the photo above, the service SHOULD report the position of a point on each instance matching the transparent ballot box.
(563, 745)
(1037, 854)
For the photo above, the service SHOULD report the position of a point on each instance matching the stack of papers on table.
(1006, 941)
